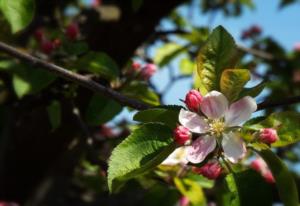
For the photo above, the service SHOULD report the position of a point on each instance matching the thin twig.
(279, 103)
(74, 77)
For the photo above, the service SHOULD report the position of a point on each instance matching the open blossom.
(268, 135)
(210, 170)
(260, 166)
(217, 126)
(193, 100)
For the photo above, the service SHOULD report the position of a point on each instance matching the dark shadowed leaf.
(54, 114)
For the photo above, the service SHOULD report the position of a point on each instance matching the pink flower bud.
(269, 177)
(181, 135)
(258, 165)
(148, 70)
(47, 46)
(136, 66)
(211, 170)
(72, 31)
(268, 135)
(184, 201)
(255, 30)
(39, 35)
(193, 100)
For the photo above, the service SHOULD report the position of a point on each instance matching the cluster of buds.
(145, 72)
(260, 166)
(268, 135)
(210, 170)
(252, 32)
(46, 46)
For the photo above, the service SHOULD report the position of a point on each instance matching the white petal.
(240, 111)
(176, 157)
(214, 105)
(193, 121)
(233, 146)
(200, 148)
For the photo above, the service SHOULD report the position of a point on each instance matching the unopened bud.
(268, 135)
(181, 135)
(148, 71)
(193, 100)
(72, 31)
(211, 170)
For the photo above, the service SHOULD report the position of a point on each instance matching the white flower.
(176, 157)
(215, 126)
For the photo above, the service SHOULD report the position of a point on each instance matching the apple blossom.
(210, 170)
(178, 156)
(217, 127)
(181, 135)
(193, 100)
(268, 135)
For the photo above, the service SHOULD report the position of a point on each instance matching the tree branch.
(280, 103)
(74, 77)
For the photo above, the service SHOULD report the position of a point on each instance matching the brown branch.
(74, 77)
(280, 103)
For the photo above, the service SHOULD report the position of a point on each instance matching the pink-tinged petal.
(214, 105)
(233, 146)
(240, 111)
(193, 121)
(200, 148)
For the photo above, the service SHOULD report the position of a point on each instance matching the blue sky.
(282, 24)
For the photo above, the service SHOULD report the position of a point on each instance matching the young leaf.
(18, 13)
(141, 91)
(101, 110)
(217, 54)
(140, 152)
(287, 125)
(284, 180)
(233, 81)
(54, 113)
(167, 115)
(247, 188)
(253, 91)
(98, 63)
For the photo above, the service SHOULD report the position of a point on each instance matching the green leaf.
(54, 114)
(284, 180)
(167, 53)
(233, 81)
(18, 13)
(287, 125)
(140, 152)
(28, 80)
(141, 91)
(186, 66)
(101, 110)
(98, 63)
(167, 115)
(192, 190)
(218, 53)
(75, 48)
(253, 91)
(247, 188)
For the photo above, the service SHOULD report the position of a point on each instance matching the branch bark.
(74, 77)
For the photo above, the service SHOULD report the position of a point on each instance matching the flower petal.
(193, 121)
(233, 146)
(240, 111)
(200, 148)
(176, 157)
(214, 105)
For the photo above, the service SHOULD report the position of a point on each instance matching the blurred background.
(56, 137)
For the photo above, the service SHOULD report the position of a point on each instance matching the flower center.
(217, 126)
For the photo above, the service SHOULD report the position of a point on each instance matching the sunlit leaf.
(140, 152)
(186, 66)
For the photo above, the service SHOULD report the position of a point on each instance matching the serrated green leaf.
(18, 13)
(218, 53)
(141, 91)
(192, 190)
(287, 125)
(54, 114)
(140, 152)
(98, 63)
(253, 91)
(284, 180)
(247, 188)
(166, 115)
(167, 53)
(233, 81)
(101, 110)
